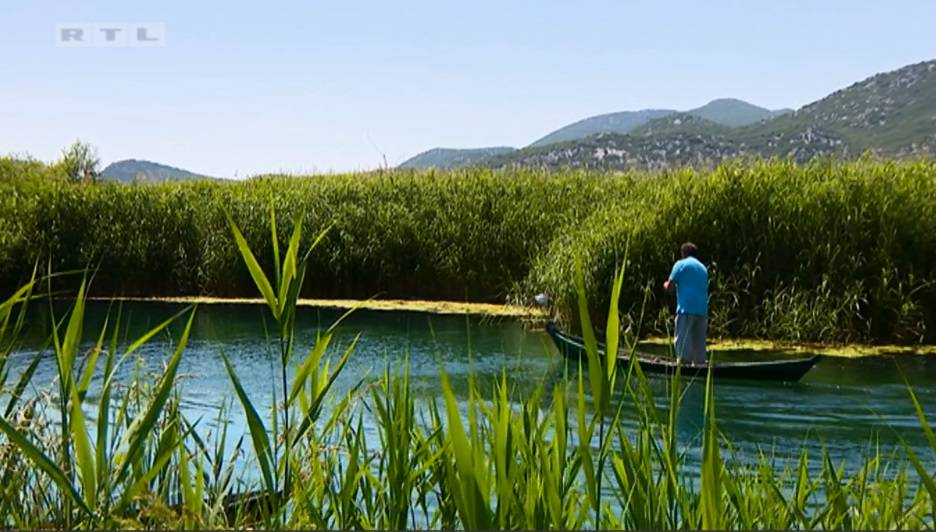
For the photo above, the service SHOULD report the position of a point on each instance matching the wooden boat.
(790, 370)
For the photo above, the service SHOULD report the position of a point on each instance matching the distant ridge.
(732, 112)
(891, 114)
(139, 171)
(729, 112)
(621, 122)
(451, 157)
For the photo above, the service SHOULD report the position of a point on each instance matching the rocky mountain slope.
(728, 112)
(892, 114)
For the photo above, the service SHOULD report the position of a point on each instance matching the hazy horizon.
(248, 88)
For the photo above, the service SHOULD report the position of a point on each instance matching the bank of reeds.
(126, 455)
(827, 251)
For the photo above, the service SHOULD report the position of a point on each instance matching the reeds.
(557, 458)
(823, 252)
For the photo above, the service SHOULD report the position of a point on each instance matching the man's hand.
(668, 285)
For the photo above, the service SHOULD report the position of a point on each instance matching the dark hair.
(689, 250)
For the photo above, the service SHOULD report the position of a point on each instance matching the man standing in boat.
(690, 280)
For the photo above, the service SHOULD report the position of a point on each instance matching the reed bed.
(828, 251)
(125, 455)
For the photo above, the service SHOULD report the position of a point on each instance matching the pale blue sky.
(247, 87)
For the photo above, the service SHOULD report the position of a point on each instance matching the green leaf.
(91, 364)
(316, 242)
(145, 337)
(311, 362)
(258, 432)
(72, 339)
(83, 456)
(595, 370)
(289, 264)
(159, 463)
(142, 426)
(103, 414)
(256, 272)
(711, 465)
(925, 475)
(585, 432)
(44, 463)
(319, 389)
(612, 332)
(23, 382)
(927, 430)
(475, 512)
(275, 238)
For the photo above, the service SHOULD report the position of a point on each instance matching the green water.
(845, 405)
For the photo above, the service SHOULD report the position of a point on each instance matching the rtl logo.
(112, 34)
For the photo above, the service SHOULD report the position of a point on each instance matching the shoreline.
(802, 348)
(533, 313)
(407, 305)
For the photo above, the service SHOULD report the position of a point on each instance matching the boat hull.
(776, 370)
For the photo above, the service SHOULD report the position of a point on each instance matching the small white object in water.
(541, 299)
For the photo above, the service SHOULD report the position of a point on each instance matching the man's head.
(689, 250)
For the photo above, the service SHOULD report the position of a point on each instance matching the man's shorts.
(690, 338)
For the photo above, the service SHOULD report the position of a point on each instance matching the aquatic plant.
(828, 251)
(490, 460)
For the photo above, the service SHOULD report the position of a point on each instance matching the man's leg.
(681, 337)
(699, 332)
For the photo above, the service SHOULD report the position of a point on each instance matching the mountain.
(612, 151)
(621, 122)
(452, 158)
(732, 112)
(134, 171)
(892, 114)
(687, 123)
(729, 112)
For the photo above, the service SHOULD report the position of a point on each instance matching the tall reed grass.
(827, 251)
(493, 460)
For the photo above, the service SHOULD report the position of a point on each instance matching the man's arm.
(670, 284)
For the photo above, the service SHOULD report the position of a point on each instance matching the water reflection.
(842, 404)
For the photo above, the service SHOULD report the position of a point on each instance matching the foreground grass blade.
(925, 476)
(289, 265)
(320, 384)
(44, 463)
(258, 432)
(473, 507)
(613, 331)
(83, 455)
(595, 369)
(711, 465)
(256, 272)
(22, 383)
(142, 426)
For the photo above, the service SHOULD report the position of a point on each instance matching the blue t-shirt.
(691, 280)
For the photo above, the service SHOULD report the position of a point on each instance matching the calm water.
(844, 405)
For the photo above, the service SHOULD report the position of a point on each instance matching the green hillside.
(622, 122)
(729, 112)
(136, 171)
(684, 123)
(892, 114)
(453, 158)
(610, 151)
(732, 112)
